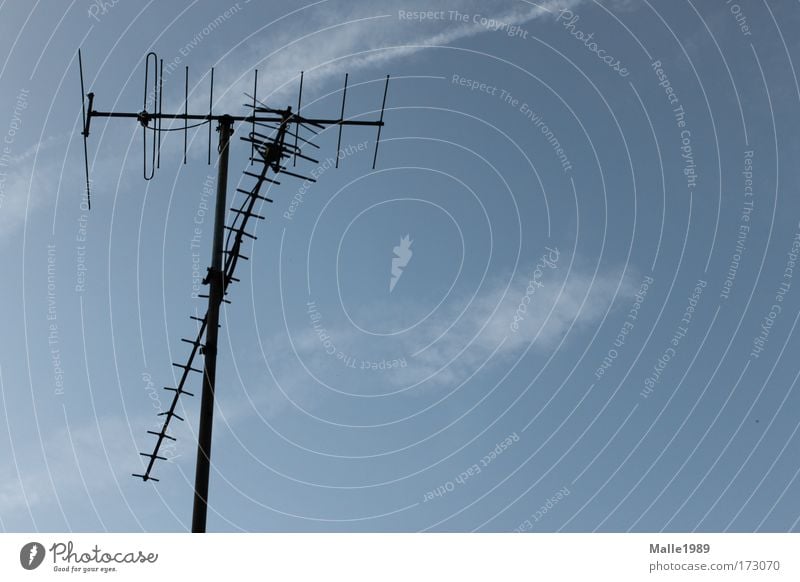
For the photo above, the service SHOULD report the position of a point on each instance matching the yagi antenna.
(270, 151)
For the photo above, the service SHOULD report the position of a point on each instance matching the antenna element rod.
(299, 101)
(380, 122)
(341, 118)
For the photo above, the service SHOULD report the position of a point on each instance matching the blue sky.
(593, 330)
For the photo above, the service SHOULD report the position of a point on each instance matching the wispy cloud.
(52, 170)
(75, 470)
(325, 41)
(353, 37)
(491, 329)
(622, 5)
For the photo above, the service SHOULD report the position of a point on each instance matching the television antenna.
(269, 151)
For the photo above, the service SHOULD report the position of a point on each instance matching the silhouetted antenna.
(269, 151)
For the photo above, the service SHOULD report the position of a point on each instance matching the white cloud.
(498, 327)
(53, 170)
(458, 340)
(355, 37)
(622, 5)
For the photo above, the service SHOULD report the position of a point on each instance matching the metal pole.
(215, 296)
